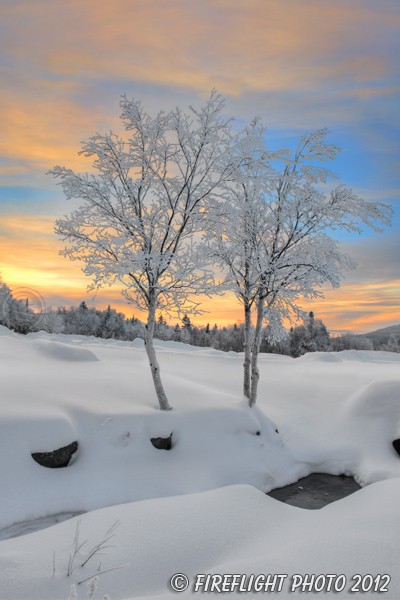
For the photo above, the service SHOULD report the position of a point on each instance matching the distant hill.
(381, 336)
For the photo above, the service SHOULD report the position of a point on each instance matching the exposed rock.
(396, 446)
(162, 443)
(56, 459)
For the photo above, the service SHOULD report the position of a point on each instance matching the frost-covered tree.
(271, 234)
(392, 345)
(15, 314)
(350, 341)
(52, 321)
(112, 324)
(87, 321)
(5, 301)
(312, 336)
(186, 324)
(177, 333)
(141, 211)
(234, 229)
(162, 331)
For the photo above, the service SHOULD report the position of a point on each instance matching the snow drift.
(177, 509)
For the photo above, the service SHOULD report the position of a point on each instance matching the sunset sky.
(300, 65)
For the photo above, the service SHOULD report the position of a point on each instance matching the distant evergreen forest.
(311, 336)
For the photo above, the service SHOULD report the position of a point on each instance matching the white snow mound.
(230, 530)
(61, 351)
(313, 414)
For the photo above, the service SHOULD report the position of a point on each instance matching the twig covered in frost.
(102, 573)
(72, 556)
(92, 585)
(92, 588)
(101, 545)
(76, 561)
(73, 595)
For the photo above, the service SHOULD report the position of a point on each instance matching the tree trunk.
(151, 355)
(247, 350)
(255, 375)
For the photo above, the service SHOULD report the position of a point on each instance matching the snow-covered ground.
(199, 508)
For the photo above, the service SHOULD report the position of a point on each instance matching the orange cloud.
(55, 51)
(360, 307)
(260, 45)
(29, 251)
(42, 135)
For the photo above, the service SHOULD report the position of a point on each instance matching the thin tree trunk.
(151, 355)
(247, 350)
(255, 374)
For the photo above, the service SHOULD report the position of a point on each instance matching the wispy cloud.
(300, 60)
(360, 308)
(300, 65)
(29, 252)
(262, 44)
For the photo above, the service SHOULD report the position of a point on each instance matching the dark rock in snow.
(396, 446)
(162, 443)
(56, 459)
